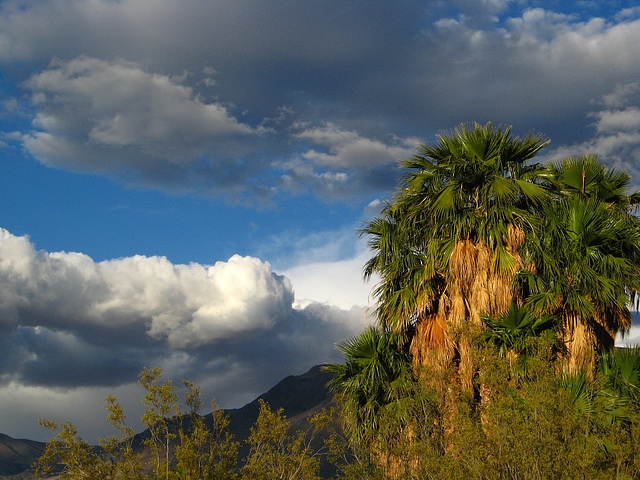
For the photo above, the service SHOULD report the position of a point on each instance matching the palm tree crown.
(586, 254)
(446, 247)
(475, 224)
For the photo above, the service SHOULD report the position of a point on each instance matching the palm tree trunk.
(444, 340)
(579, 344)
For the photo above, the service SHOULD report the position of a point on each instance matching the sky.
(181, 183)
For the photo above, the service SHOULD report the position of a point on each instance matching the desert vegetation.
(181, 444)
(503, 286)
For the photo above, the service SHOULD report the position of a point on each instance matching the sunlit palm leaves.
(586, 177)
(513, 330)
(613, 400)
(446, 247)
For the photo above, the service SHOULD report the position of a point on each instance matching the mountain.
(16, 456)
(300, 396)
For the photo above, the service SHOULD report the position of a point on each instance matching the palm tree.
(446, 246)
(615, 399)
(376, 385)
(586, 256)
(476, 228)
(374, 378)
(587, 177)
(621, 367)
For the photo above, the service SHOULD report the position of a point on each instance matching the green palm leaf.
(375, 376)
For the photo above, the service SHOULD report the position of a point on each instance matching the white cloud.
(336, 282)
(72, 327)
(106, 116)
(348, 149)
(374, 208)
(346, 164)
(246, 295)
(186, 305)
(617, 132)
(326, 266)
(618, 120)
(621, 94)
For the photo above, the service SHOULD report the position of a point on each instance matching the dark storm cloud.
(42, 357)
(248, 100)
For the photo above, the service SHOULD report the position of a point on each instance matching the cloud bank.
(251, 101)
(70, 324)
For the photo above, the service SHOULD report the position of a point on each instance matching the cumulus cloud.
(182, 305)
(348, 149)
(71, 322)
(342, 163)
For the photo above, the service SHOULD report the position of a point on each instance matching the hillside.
(297, 395)
(16, 455)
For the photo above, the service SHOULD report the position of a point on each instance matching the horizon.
(183, 184)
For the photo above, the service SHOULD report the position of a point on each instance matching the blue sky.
(182, 181)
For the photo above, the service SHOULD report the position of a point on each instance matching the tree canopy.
(477, 224)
